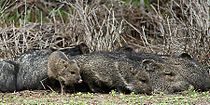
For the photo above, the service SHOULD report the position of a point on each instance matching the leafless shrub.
(101, 30)
(14, 40)
(178, 26)
(186, 27)
(95, 24)
(174, 27)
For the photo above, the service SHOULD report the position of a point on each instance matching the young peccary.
(104, 73)
(32, 73)
(62, 69)
(8, 72)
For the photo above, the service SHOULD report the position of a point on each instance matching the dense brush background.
(154, 26)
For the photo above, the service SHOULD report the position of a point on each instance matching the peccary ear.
(125, 48)
(185, 55)
(149, 65)
(72, 61)
(63, 61)
(84, 48)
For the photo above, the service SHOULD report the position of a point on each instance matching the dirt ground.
(113, 98)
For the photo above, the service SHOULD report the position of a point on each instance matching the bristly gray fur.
(8, 72)
(104, 73)
(179, 68)
(33, 68)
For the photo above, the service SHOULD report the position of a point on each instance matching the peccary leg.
(62, 87)
(94, 87)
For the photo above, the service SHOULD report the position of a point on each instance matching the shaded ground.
(52, 98)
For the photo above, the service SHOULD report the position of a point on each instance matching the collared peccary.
(32, 73)
(79, 49)
(62, 69)
(33, 68)
(183, 66)
(8, 73)
(165, 78)
(103, 73)
(193, 71)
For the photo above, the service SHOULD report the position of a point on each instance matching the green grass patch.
(113, 98)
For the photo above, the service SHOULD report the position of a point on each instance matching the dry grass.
(171, 27)
(178, 26)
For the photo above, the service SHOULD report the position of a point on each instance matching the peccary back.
(32, 70)
(8, 72)
(33, 67)
(74, 50)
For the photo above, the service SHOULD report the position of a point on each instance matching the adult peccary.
(188, 68)
(62, 69)
(163, 76)
(33, 68)
(8, 72)
(193, 71)
(79, 49)
(103, 73)
(184, 66)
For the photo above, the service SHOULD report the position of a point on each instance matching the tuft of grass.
(38, 11)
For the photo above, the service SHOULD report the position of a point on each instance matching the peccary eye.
(65, 66)
(72, 72)
(63, 61)
(169, 73)
(143, 80)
